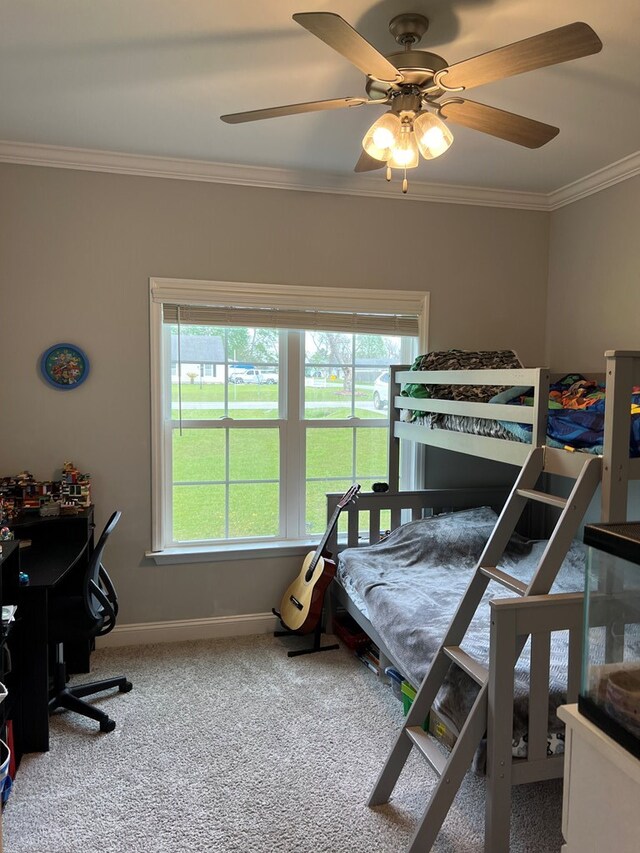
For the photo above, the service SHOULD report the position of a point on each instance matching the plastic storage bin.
(435, 723)
(395, 681)
(408, 695)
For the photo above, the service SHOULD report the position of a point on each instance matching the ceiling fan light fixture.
(432, 134)
(381, 136)
(404, 153)
(414, 79)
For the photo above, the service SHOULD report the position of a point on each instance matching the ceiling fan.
(421, 89)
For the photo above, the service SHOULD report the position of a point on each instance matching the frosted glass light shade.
(405, 154)
(432, 135)
(381, 136)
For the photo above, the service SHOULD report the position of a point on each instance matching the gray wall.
(594, 278)
(594, 287)
(76, 253)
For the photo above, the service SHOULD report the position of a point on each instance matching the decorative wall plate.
(64, 366)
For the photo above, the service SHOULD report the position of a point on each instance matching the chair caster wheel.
(126, 687)
(107, 725)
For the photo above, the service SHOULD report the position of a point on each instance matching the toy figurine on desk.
(23, 493)
(7, 507)
(75, 488)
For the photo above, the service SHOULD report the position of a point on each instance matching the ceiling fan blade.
(508, 126)
(338, 34)
(367, 163)
(551, 48)
(293, 109)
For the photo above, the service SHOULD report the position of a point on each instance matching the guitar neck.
(325, 538)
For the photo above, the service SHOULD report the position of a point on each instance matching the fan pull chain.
(388, 172)
(405, 182)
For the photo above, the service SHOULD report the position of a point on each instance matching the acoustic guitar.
(301, 606)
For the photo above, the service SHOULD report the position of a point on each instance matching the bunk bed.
(507, 682)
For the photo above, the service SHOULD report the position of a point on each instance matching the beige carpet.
(229, 746)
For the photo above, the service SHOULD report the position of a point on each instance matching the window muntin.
(340, 372)
(216, 466)
(337, 457)
(229, 446)
(243, 371)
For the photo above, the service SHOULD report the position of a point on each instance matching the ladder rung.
(470, 665)
(542, 497)
(428, 747)
(503, 578)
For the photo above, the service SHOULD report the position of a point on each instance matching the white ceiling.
(152, 77)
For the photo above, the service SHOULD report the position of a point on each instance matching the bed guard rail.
(375, 513)
(512, 452)
(513, 620)
(536, 378)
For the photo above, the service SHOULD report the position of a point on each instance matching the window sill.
(226, 553)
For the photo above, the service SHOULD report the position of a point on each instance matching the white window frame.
(252, 295)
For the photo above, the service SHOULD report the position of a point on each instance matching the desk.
(59, 552)
(55, 531)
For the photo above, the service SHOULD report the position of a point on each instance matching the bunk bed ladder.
(452, 768)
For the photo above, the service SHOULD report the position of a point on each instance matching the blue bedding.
(577, 428)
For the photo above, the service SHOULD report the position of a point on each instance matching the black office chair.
(80, 618)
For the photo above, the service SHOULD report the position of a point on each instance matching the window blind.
(289, 318)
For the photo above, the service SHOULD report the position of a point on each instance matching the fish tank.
(610, 684)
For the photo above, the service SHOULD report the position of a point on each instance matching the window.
(246, 449)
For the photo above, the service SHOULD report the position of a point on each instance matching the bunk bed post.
(502, 657)
(540, 405)
(615, 474)
(394, 442)
(622, 369)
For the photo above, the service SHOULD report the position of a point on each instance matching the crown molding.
(259, 176)
(84, 159)
(606, 177)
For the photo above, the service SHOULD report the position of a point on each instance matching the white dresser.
(601, 800)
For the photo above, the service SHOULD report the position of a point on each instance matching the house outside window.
(196, 357)
(247, 446)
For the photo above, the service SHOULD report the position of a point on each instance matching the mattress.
(409, 586)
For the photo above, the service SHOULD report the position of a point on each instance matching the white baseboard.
(214, 627)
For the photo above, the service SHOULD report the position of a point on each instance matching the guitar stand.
(316, 647)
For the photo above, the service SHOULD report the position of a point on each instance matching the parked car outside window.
(253, 376)
(381, 391)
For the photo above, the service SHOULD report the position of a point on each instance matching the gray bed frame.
(513, 620)
(401, 507)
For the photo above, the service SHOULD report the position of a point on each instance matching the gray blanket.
(410, 584)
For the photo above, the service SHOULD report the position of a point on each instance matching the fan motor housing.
(417, 67)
